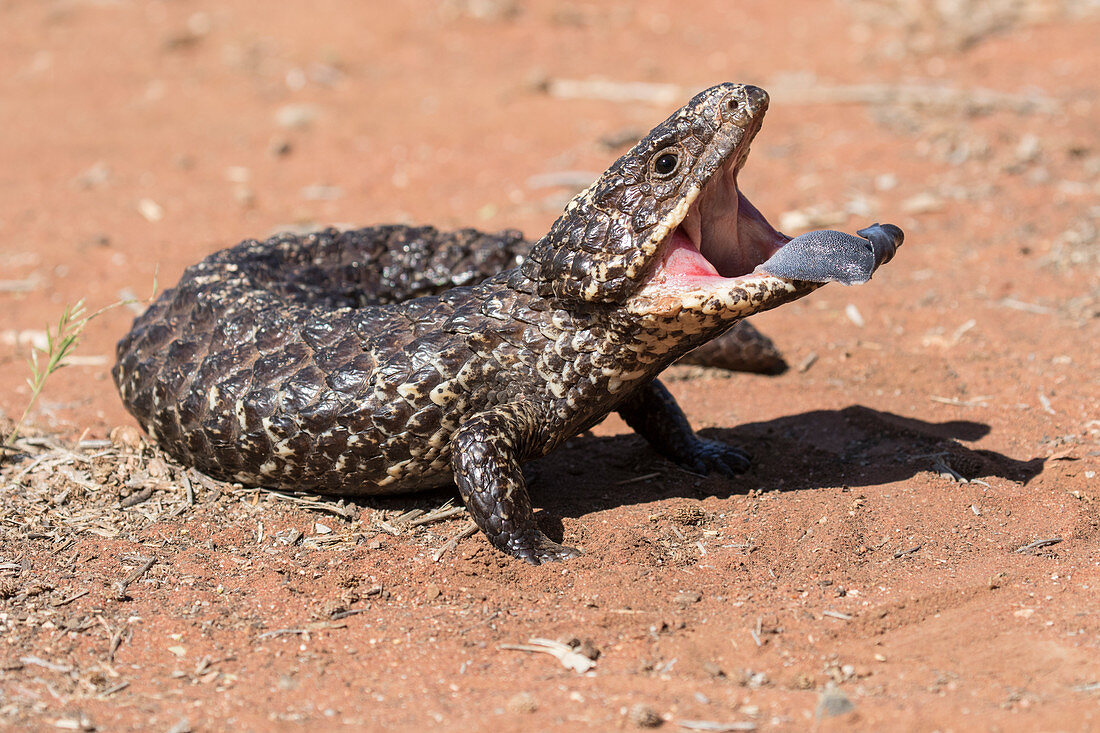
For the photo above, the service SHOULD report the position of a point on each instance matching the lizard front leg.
(653, 413)
(485, 457)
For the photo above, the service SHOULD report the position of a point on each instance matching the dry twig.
(121, 586)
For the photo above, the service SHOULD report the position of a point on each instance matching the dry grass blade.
(1038, 544)
(902, 553)
(714, 726)
(309, 501)
(303, 631)
(121, 586)
(973, 402)
(614, 91)
(940, 466)
(113, 689)
(450, 544)
(66, 601)
(935, 96)
(837, 614)
(438, 515)
(19, 286)
(45, 664)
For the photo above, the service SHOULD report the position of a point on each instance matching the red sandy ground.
(747, 601)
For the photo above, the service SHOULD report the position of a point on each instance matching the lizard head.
(665, 231)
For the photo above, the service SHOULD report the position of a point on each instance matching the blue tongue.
(831, 256)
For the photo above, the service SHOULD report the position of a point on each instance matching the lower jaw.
(712, 300)
(683, 265)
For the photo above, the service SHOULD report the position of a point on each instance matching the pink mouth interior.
(683, 259)
(722, 236)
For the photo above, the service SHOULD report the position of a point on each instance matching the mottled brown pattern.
(358, 363)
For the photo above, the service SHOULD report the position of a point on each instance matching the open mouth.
(722, 235)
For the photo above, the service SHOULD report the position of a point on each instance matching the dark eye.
(665, 163)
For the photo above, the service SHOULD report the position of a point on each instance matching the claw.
(713, 456)
(537, 549)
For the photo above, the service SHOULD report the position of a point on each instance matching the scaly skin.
(266, 365)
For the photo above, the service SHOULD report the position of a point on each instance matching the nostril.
(755, 96)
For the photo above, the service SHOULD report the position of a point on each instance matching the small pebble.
(280, 147)
(97, 175)
(687, 596)
(833, 702)
(713, 669)
(886, 182)
(296, 116)
(238, 174)
(587, 649)
(854, 315)
(150, 209)
(803, 682)
(126, 436)
(643, 716)
(690, 516)
(807, 219)
(1028, 149)
(321, 192)
(584, 647)
(922, 203)
(522, 702)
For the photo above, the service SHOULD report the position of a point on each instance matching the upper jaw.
(706, 263)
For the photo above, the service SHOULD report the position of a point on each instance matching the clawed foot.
(706, 456)
(536, 548)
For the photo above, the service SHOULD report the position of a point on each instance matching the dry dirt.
(878, 568)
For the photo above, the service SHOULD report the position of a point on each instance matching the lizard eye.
(666, 163)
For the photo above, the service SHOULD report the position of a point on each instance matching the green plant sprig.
(60, 344)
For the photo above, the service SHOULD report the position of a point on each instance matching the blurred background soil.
(917, 546)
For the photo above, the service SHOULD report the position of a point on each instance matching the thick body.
(381, 360)
(262, 366)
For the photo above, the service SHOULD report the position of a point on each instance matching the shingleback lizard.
(373, 361)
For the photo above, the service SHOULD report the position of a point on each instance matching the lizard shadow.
(853, 446)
